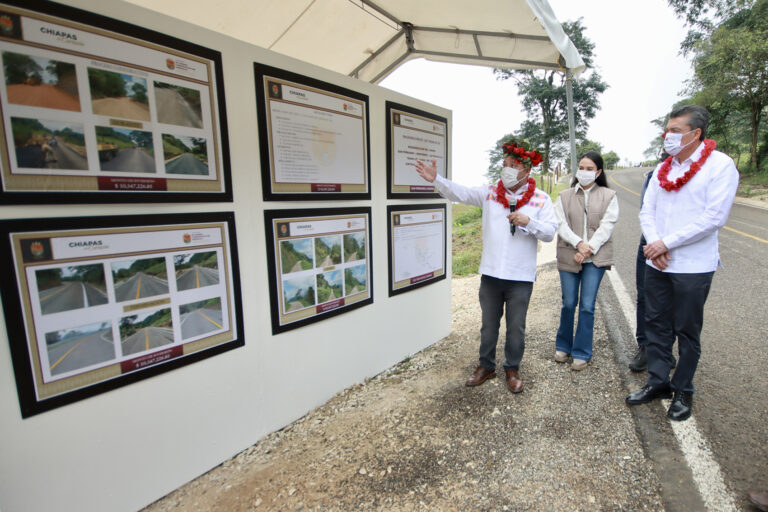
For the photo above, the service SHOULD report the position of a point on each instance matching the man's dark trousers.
(640, 265)
(674, 306)
(495, 296)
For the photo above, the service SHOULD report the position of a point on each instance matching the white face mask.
(672, 142)
(509, 177)
(585, 177)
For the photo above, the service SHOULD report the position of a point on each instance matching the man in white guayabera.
(515, 216)
(688, 200)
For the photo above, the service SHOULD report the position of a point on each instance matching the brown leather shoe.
(759, 499)
(481, 375)
(514, 382)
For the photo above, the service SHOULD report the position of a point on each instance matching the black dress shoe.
(680, 409)
(648, 393)
(640, 361)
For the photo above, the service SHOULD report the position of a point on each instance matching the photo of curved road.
(86, 350)
(197, 277)
(70, 295)
(124, 107)
(62, 157)
(147, 338)
(140, 286)
(186, 164)
(200, 321)
(130, 160)
(172, 108)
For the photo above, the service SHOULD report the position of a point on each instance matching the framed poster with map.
(96, 303)
(313, 137)
(95, 110)
(417, 248)
(319, 264)
(413, 134)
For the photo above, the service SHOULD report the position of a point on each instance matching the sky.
(636, 52)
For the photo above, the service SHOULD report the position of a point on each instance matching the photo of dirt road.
(118, 94)
(42, 144)
(40, 82)
(178, 105)
(125, 150)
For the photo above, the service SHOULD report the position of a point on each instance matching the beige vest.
(572, 201)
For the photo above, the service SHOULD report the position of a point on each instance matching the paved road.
(200, 321)
(186, 164)
(65, 157)
(70, 295)
(172, 108)
(139, 286)
(197, 277)
(130, 160)
(147, 338)
(82, 351)
(731, 381)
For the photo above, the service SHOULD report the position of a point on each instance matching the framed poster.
(92, 304)
(417, 246)
(412, 135)
(313, 138)
(319, 263)
(95, 110)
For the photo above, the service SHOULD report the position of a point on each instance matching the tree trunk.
(755, 122)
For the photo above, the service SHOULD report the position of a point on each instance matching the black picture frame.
(28, 243)
(392, 111)
(393, 219)
(299, 191)
(279, 220)
(92, 185)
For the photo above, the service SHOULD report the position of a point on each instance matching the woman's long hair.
(601, 180)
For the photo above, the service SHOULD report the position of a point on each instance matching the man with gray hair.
(688, 200)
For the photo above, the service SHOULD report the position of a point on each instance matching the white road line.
(706, 472)
(85, 297)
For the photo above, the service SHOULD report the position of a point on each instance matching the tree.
(19, 67)
(543, 95)
(588, 145)
(703, 16)
(610, 159)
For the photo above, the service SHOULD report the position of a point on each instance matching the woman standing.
(587, 213)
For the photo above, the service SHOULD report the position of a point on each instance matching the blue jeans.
(580, 346)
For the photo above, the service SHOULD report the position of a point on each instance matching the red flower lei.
(709, 146)
(501, 194)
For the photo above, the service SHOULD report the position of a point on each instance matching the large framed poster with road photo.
(313, 137)
(414, 134)
(96, 303)
(417, 246)
(319, 263)
(95, 110)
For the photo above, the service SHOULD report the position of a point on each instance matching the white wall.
(126, 448)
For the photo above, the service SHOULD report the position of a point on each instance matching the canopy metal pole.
(571, 127)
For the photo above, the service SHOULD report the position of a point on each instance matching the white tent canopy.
(368, 39)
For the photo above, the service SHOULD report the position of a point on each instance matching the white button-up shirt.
(687, 220)
(506, 256)
(601, 235)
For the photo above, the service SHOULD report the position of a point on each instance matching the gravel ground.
(415, 438)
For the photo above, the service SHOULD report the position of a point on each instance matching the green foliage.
(610, 159)
(352, 249)
(24, 129)
(48, 278)
(19, 67)
(289, 257)
(105, 84)
(324, 251)
(140, 93)
(91, 274)
(467, 239)
(703, 17)
(326, 291)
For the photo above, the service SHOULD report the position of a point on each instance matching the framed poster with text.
(92, 304)
(412, 135)
(319, 263)
(417, 247)
(95, 110)
(313, 138)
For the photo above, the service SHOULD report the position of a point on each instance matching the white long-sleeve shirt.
(506, 256)
(687, 220)
(601, 235)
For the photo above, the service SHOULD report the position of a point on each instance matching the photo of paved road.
(196, 270)
(139, 279)
(43, 144)
(146, 331)
(118, 94)
(73, 349)
(68, 288)
(125, 150)
(178, 105)
(40, 82)
(185, 155)
(200, 318)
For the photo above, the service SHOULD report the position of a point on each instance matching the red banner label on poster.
(326, 187)
(422, 188)
(134, 184)
(151, 359)
(329, 305)
(422, 277)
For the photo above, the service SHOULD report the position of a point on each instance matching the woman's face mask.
(586, 178)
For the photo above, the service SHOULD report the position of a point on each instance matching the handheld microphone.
(511, 224)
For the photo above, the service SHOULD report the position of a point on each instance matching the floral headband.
(522, 152)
